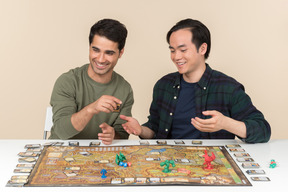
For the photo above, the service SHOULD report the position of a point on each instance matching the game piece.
(120, 158)
(129, 164)
(167, 164)
(208, 160)
(272, 164)
(103, 172)
(255, 172)
(117, 108)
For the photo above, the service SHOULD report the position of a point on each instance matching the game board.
(82, 166)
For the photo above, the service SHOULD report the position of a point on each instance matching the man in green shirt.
(88, 100)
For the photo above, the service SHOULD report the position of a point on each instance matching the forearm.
(236, 127)
(146, 133)
(81, 118)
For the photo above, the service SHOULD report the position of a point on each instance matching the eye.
(183, 50)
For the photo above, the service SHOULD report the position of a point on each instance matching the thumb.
(103, 126)
(124, 117)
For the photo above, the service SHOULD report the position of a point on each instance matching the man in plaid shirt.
(198, 102)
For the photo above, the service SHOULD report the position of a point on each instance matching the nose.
(177, 55)
(101, 58)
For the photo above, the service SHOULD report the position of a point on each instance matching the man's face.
(184, 53)
(103, 56)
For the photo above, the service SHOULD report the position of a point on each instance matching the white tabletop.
(261, 153)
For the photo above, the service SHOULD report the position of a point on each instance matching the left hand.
(107, 135)
(215, 123)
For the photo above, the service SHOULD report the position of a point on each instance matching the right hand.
(132, 126)
(105, 103)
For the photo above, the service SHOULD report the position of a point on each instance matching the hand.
(107, 135)
(215, 123)
(105, 103)
(132, 126)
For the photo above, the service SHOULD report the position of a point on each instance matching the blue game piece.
(103, 172)
(121, 163)
(125, 165)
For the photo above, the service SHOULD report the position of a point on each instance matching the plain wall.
(41, 39)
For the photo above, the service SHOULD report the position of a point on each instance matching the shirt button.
(175, 97)
(204, 88)
(166, 130)
(171, 114)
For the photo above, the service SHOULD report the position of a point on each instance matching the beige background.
(39, 40)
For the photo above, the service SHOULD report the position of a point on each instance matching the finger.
(205, 121)
(124, 117)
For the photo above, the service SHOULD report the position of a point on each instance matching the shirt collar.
(203, 83)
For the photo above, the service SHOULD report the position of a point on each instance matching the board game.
(98, 166)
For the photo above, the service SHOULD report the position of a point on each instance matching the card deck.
(22, 170)
(241, 155)
(233, 146)
(245, 159)
(32, 146)
(27, 154)
(237, 150)
(94, 143)
(73, 143)
(260, 178)
(25, 165)
(27, 159)
(197, 142)
(159, 142)
(255, 172)
(250, 165)
(179, 142)
(143, 142)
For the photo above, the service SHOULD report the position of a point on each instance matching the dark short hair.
(111, 29)
(200, 33)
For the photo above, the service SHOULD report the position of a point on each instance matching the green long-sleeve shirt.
(74, 90)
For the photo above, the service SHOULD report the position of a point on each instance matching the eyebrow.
(106, 51)
(180, 46)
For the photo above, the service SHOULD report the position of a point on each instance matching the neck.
(195, 76)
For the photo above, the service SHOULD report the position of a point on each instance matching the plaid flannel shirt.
(214, 91)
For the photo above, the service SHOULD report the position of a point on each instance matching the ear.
(203, 49)
(121, 53)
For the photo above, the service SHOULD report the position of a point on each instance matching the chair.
(48, 122)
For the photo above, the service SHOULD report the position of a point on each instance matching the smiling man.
(88, 100)
(198, 102)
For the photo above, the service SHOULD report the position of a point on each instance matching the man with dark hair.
(88, 100)
(198, 102)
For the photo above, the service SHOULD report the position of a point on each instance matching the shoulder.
(220, 79)
(72, 76)
(120, 80)
(169, 79)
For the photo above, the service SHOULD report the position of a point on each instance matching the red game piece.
(208, 160)
(129, 164)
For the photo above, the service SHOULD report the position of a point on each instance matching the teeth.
(181, 63)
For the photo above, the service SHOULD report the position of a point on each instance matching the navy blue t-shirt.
(185, 110)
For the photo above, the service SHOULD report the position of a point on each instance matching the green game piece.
(167, 164)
